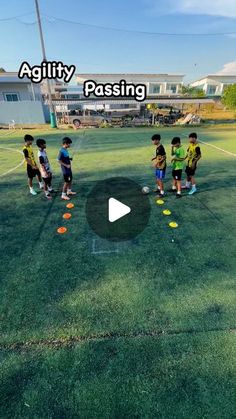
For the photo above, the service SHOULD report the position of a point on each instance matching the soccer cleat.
(172, 190)
(71, 193)
(193, 190)
(65, 197)
(48, 196)
(156, 190)
(33, 192)
(162, 195)
(41, 185)
(50, 189)
(178, 195)
(185, 187)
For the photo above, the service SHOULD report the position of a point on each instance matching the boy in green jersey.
(178, 156)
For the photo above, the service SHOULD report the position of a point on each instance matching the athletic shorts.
(67, 177)
(177, 174)
(32, 172)
(160, 174)
(189, 171)
(47, 180)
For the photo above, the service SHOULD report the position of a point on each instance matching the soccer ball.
(145, 190)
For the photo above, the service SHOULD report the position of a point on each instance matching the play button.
(117, 210)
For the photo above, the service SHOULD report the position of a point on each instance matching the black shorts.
(177, 174)
(189, 171)
(68, 177)
(32, 172)
(47, 180)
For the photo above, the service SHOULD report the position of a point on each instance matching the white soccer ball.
(145, 190)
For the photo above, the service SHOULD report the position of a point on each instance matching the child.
(159, 164)
(32, 168)
(44, 167)
(193, 155)
(65, 162)
(177, 161)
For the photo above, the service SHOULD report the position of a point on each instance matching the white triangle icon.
(117, 210)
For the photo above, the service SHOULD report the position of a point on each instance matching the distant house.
(215, 84)
(158, 85)
(20, 100)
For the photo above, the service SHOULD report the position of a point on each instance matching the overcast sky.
(94, 49)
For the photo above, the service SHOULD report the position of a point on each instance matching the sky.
(151, 36)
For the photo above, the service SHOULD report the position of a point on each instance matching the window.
(212, 90)
(11, 97)
(171, 88)
(154, 88)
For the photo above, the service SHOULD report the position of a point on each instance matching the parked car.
(88, 118)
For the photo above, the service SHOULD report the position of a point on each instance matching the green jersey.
(179, 153)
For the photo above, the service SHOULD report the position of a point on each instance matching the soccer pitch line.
(16, 167)
(218, 148)
(214, 146)
(7, 133)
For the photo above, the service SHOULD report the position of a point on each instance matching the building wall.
(25, 91)
(157, 84)
(23, 112)
(214, 86)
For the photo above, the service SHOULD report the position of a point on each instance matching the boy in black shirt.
(159, 164)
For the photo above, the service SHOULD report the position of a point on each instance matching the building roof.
(216, 76)
(115, 101)
(12, 77)
(128, 74)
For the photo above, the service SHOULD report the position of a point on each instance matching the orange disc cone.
(67, 216)
(70, 205)
(62, 230)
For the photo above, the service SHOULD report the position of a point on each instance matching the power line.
(53, 19)
(5, 19)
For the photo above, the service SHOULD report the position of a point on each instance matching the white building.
(158, 85)
(215, 84)
(20, 100)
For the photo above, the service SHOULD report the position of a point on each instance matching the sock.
(41, 184)
(178, 193)
(49, 188)
(31, 188)
(188, 184)
(63, 194)
(194, 187)
(162, 192)
(174, 188)
(47, 193)
(68, 190)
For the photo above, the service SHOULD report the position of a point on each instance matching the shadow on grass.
(178, 377)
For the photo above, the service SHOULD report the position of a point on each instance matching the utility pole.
(51, 107)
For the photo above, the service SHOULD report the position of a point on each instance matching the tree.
(229, 97)
(192, 91)
(2, 70)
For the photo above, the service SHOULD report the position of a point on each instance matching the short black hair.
(192, 135)
(66, 140)
(28, 137)
(156, 137)
(40, 142)
(176, 140)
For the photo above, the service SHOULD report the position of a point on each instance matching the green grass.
(54, 290)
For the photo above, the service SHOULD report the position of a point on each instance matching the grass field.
(142, 329)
